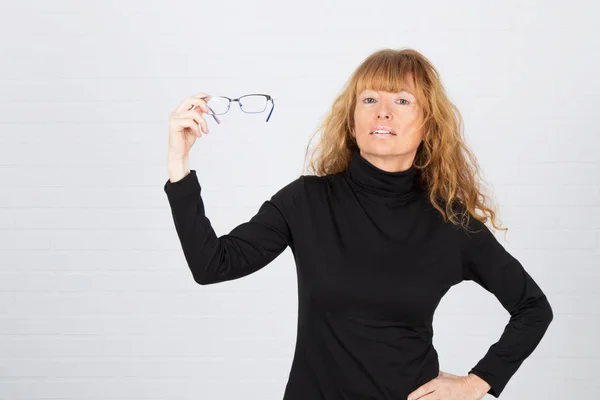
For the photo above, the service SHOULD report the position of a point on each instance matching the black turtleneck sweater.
(373, 260)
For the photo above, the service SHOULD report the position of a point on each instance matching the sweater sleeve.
(249, 246)
(487, 263)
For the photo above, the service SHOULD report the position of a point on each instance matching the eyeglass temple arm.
(213, 111)
(272, 107)
(213, 115)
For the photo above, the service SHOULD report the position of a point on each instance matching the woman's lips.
(383, 135)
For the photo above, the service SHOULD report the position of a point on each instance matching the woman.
(379, 234)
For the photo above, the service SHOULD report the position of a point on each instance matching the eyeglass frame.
(269, 98)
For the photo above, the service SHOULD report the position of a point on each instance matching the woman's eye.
(406, 101)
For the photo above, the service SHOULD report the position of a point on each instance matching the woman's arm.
(247, 248)
(486, 262)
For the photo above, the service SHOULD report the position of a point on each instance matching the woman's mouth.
(382, 134)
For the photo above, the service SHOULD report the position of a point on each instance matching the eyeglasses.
(251, 103)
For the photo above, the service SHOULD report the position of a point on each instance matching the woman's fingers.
(188, 123)
(191, 102)
(197, 117)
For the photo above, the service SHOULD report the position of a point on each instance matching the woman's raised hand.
(186, 123)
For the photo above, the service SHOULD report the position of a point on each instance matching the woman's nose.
(383, 110)
(383, 113)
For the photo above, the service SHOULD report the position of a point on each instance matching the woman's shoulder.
(323, 179)
(302, 190)
(302, 187)
(319, 184)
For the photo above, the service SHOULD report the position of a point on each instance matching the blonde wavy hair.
(448, 169)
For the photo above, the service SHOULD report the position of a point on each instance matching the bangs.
(389, 73)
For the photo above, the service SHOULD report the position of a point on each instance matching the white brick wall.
(96, 301)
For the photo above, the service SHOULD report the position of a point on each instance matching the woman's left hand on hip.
(451, 387)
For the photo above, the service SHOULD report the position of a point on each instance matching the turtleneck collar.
(369, 178)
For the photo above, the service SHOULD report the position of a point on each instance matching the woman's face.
(396, 111)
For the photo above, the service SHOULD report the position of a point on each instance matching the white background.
(96, 300)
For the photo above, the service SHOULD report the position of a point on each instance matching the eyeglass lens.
(252, 103)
